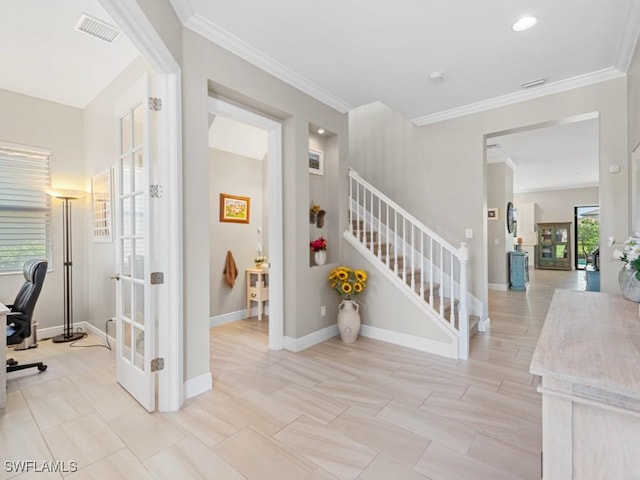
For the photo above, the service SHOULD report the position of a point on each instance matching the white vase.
(320, 257)
(349, 320)
(629, 284)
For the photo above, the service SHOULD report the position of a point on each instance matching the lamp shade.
(65, 193)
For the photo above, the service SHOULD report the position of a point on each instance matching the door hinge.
(155, 104)
(157, 364)
(155, 191)
(157, 278)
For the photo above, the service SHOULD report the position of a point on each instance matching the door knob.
(115, 277)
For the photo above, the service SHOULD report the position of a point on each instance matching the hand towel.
(230, 270)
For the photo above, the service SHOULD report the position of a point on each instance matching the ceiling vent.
(534, 83)
(97, 28)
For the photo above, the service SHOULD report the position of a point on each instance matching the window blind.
(25, 213)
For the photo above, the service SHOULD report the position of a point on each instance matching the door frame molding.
(274, 211)
(132, 20)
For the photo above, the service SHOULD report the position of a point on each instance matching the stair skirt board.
(410, 341)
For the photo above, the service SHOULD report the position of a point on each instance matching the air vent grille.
(97, 28)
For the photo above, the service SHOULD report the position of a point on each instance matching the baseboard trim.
(196, 386)
(50, 332)
(410, 341)
(218, 320)
(227, 318)
(299, 344)
(498, 286)
(484, 325)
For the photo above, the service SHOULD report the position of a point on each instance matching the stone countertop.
(591, 339)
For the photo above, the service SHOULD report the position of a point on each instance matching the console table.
(3, 354)
(588, 356)
(257, 289)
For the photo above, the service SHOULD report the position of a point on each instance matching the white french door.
(135, 314)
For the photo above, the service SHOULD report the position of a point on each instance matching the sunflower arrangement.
(348, 282)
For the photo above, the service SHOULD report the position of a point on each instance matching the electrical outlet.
(323, 311)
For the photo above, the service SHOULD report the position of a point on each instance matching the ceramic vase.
(320, 257)
(629, 284)
(349, 321)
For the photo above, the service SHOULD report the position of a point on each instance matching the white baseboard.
(498, 286)
(196, 386)
(50, 332)
(299, 344)
(227, 318)
(233, 316)
(484, 325)
(410, 341)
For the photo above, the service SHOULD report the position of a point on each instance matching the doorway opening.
(254, 175)
(586, 235)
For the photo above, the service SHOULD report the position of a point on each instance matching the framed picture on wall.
(101, 206)
(234, 209)
(493, 214)
(316, 161)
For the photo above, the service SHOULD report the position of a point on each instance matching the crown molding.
(630, 34)
(550, 189)
(521, 96)
(226, 40)
(183, 8)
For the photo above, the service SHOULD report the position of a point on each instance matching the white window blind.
(25, 213)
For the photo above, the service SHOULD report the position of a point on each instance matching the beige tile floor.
(368, 411)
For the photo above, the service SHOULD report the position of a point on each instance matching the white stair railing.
(424, 264)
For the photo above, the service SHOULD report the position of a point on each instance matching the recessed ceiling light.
(436, 77)
(321, 131)
(525, 23)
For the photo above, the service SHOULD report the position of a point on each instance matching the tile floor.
(366, 411)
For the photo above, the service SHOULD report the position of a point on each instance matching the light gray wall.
(100, 153)
(500, 241)
(235, 175)
(438, 172)
(33, 122)
(455, 147)
(558, 205)
(382, 305)
(207, 69)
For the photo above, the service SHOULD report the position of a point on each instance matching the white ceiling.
(554, 157)
(354, 53)
(237, 137)
(348, 54)
(43, 56)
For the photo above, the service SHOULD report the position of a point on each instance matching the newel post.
(463, 314)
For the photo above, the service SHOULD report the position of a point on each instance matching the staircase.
(430, 271)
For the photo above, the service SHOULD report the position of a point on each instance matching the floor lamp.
(67, 196)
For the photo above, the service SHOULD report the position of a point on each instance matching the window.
(25, 213)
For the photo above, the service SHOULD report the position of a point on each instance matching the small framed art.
(316, 161)
(234, 209)
(493, 214)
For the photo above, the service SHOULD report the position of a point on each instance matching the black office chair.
(20, 317)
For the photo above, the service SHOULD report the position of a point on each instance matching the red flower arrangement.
(318, 244)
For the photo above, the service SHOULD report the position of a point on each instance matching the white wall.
(500, 241)
(100, 153)
(235, 175)
(30, 121)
